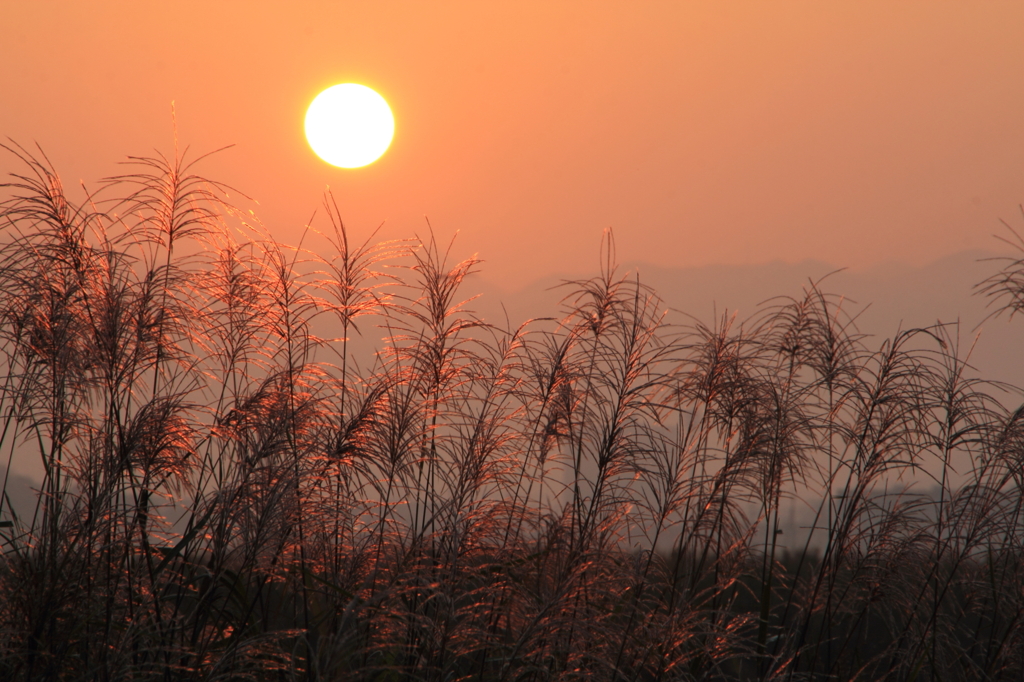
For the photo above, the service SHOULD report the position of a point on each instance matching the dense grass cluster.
(239, 483)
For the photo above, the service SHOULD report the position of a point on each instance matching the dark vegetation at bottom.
(236, 488)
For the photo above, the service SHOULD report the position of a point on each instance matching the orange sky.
(702, 132)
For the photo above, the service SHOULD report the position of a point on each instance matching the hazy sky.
(702, 132)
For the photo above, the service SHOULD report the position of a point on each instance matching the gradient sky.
(701, 132)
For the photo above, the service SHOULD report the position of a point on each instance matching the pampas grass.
(238, 483)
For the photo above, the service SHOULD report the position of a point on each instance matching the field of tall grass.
(262, 462)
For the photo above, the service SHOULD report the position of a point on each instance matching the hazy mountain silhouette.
(889, 296)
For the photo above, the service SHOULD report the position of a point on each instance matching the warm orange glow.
(849, 133)
(349, 125)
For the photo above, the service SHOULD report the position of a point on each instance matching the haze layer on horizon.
(849, 133)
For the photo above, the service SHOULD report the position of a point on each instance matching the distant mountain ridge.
(889, 296)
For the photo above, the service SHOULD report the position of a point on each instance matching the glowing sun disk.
(349, 125)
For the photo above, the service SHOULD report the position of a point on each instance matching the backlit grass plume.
(263, 462)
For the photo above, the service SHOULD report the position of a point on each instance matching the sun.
(349, 125)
